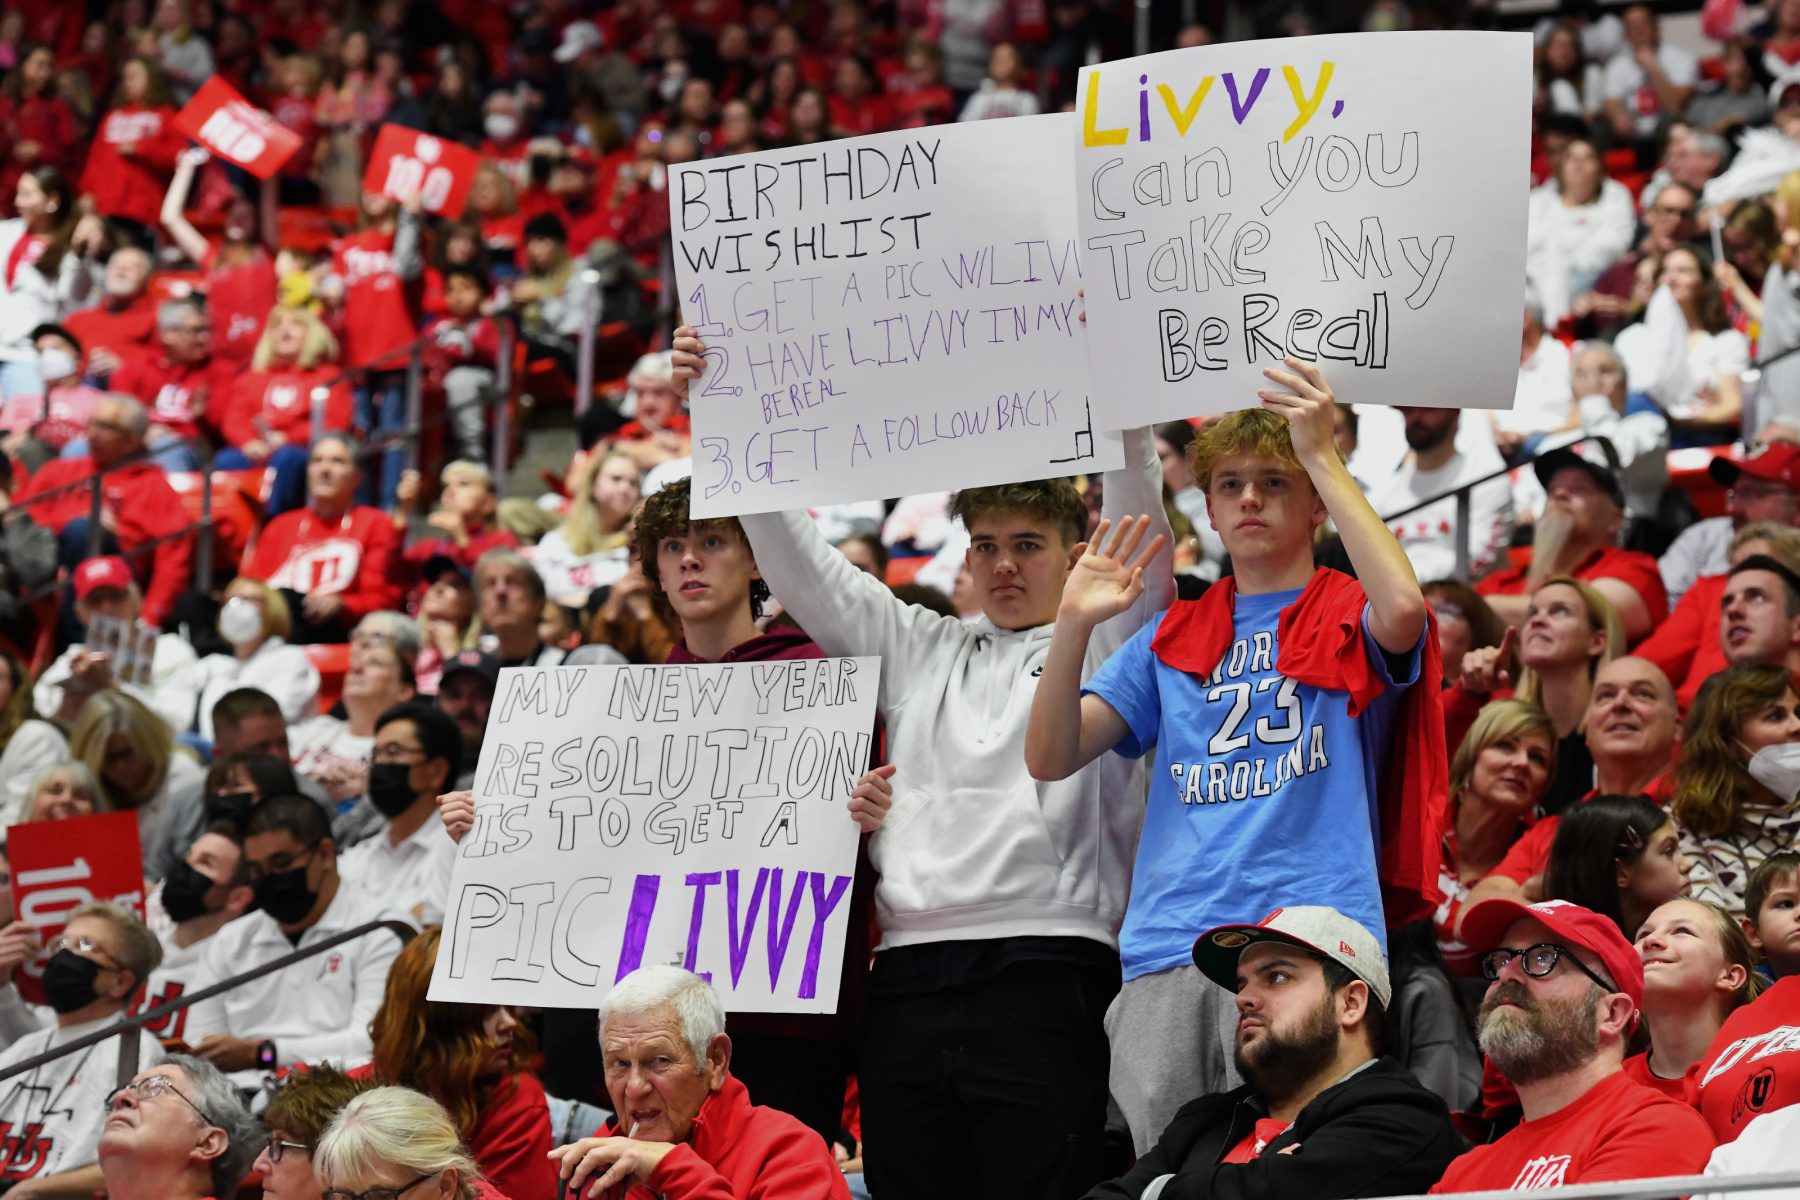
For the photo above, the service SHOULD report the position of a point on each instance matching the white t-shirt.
(568, 576)
(1541, 398)
(323, 746)
(1627, 83)
(180, 973)
(1429, 535)
(53, 1114)
(283, 671)
(413, 877)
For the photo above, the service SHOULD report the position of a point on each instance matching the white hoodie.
(973, 847)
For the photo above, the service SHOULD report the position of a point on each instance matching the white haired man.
(177, 1131)
(684, 1126)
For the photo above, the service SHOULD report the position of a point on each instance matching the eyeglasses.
(277, 1147)
(279, 864)
(1537, 961)
(393, 752)
(83, 946)
(376, 1193)
(149, 1088)
(1670, 210)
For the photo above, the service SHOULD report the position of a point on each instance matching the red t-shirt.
(379, 307)
(1619, 1130)
(280, 401)
(179, 396)
(1687, 646)
(1638, 1068)
(1633, 568)
(1266, 1130)
(352, 557)
(127, 331)
(1753, 1065)
(1531, 853)
(239, 299)
(132, 185)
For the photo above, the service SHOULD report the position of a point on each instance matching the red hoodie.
(1321, 641)
(511, 1140)
(740, 1151)
(128, 331)
(280, 401)
(132, 185)
(143, 507)
(1687, 646)
(352, 557)
(179, 395)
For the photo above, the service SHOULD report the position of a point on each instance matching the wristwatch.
(265, 1055)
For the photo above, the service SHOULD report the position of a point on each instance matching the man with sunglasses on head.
(52, 1115)
(177, 1131)
(1567, 990)
(319, 1009)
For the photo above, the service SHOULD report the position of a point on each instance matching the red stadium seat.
(332, 662)
(1688, 473)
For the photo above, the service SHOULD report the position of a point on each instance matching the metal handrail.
(1461, 493)
(126, 1026)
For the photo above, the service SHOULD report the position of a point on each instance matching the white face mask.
(500, 126)
(55, 363)
(240, 621)
(1777, 768)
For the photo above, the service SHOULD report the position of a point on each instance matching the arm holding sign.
(174, 206)
(409, 256)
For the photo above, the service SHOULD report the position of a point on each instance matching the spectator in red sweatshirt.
(240, 270)
(134, 150)
(137, 505)
(378, 271)
(182, 385)
(268, 417)
(37, 126)
(123, 325)
(463, 354)
(464, 515)
(332, 559)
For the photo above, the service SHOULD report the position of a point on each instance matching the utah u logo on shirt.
(1545, 1172)
(25, 1152)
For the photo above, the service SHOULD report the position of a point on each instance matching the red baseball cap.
(1574, 925)
(1776, 463)
(97, 573)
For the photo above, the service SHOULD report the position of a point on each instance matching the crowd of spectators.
(1526, 819)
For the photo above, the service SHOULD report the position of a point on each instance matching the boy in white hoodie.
(984, 1060)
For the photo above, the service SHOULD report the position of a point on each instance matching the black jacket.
(1378, 1133)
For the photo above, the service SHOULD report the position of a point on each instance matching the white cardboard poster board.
(633, 815)
(886, 315)
(1354, 199)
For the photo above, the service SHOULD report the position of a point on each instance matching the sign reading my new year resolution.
(693, 815)
(886, 315)
(1355, 200)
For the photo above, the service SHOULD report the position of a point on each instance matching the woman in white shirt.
(1576, 226)
(45, 272)
(334, 752)
(27, 745)
(590, 548)
(256, 622)
(1567, 84)
(1686, 355)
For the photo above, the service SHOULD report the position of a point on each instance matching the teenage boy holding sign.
(1270, 703)
(999, 899)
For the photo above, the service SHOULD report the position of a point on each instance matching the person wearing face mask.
(201, 894)
(314, 1011)
(255, 620)
(1737, 778)
(507, 141)
(96, 965)
(35, 426)
(418, 751)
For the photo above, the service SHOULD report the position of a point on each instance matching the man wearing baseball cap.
(1762, 487)
(1577, 535)
(466, 694)
(105, 587)
(1566, 995)
(1321, 1114)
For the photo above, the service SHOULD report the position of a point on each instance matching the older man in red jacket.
(686, 1129)
(137, 505)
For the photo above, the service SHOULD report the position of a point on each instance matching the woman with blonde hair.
(1698, 970)
(592, 546)
(60, 792)
(1570, 632)
(132, 753)
(395, 1140)
(27, 744)
(268, 417)
(474, 1059)
(256, 622)
(1735, 779)
(1497, 776)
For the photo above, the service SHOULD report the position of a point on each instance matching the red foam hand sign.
(236, 130)
(57, 866)
(406, 161)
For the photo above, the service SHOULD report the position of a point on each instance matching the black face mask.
(184, 893)
(389, 789)
(285, 895)
(231, 806)
(69, 981)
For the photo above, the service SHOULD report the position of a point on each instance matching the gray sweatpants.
(1172, 1035)
(465, 390)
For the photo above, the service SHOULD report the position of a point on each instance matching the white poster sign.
(693, 815)
(886, 315)
(1356, 200)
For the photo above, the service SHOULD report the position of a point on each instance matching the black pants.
(801, 1077)
(995, 1090)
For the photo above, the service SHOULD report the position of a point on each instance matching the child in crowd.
(1772, 913)
(465, 352)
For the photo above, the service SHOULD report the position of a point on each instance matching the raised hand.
(1306, 405)
(457, 809)
(688, 357)
(871, 798)
(1109, 576)
(1489, 668)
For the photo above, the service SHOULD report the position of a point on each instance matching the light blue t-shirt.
(1263, 793)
